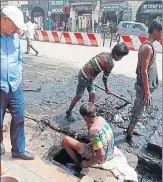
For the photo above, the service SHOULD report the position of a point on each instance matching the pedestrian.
(100, 27)
(29, 33)
(63, 25)
(101, 146)
(95, 25)
(86, 77)
(11, 76)
(56, 26)
(147, 77)
(108, 29)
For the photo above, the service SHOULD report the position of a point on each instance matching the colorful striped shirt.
(101, 62)
(101, 136)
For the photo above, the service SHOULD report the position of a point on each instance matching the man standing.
(147, 77)
(87, 75)
(30, 35)
(11, 76)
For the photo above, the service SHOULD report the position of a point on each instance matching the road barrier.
(74, 38)
(89, 39)
(134, 42)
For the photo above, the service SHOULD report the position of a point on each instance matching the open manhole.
(62, 157)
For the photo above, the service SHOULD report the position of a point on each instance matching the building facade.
(45, 12)
(84, 13)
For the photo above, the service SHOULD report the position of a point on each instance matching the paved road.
(78, 55)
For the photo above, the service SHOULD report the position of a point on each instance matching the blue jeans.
(14, 102)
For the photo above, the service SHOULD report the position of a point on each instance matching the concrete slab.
(86, 179)
(23, 174)
(97, 175)
(110, 179)
(36, 170)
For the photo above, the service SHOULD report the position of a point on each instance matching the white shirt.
(31, 30)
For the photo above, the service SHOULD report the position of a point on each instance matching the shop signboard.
(82, 6)
(113, 5)
(151, 8)
(59, 7)
(58, 3)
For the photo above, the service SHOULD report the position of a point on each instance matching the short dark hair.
(155, 25)
(120, 49)
(88, 109)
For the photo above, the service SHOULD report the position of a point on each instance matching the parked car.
(132, 28)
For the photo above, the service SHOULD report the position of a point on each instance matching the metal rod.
(115, 95)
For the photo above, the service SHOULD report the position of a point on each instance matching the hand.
(107, 90)
(85, 164)
(147, 99)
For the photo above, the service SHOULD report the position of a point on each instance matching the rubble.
(118, 119)
(155, 142)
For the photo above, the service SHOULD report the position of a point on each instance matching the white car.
(132, 28)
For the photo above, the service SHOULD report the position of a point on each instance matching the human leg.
(32, 47)
(17, 135)
(70, 144)
(82, 84)
(4, 102)
(137, 114)
(28, 46)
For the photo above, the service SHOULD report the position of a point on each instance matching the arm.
(100, 154)
(98, 148)
(105, 80)
(145, 55)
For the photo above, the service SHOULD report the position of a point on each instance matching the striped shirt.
(101, 62)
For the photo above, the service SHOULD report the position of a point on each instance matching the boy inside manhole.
(63, 158)
(97, 151)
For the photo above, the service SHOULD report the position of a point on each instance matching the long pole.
(48, 15)
(118, 11)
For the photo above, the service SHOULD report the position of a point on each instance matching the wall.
(42, 4)
(135, 6)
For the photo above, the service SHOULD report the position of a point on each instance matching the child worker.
(101, 146)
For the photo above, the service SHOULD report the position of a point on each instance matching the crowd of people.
(101, 146)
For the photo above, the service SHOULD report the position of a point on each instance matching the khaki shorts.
(86, 151)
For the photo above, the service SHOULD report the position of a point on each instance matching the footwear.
(37, 53)
(2, 149)
(70, 118)
(26, 53)
(25, 156)
(131, 142)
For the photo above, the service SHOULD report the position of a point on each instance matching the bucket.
(8, 179)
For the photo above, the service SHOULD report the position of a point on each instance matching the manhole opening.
(65, 162)
(62, 157)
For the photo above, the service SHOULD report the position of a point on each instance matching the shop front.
(83, 11)
(60, 12)
(115, 11)
(149, 11)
